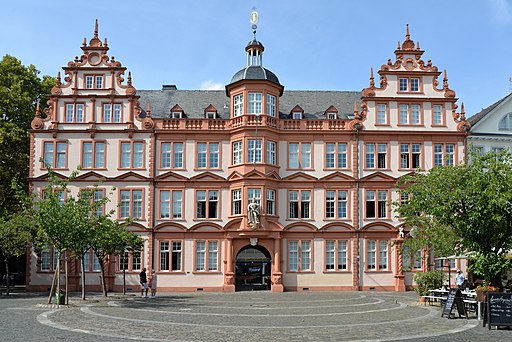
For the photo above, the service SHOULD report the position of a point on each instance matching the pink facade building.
(254, 187)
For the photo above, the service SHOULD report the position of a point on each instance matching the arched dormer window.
(506, 123)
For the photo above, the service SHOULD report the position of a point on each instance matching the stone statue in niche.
(254, 211)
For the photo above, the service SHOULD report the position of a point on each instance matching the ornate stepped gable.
(408, 62)
(105, 83)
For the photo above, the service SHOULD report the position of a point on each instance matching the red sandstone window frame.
(299, 256)
(238, 200)
(409, 85)
(336, 199)
(444, 154)
(111, 115)
(409, 261)
(52, 263)
(240, 152)
(207, 205)
(54, 162)
(267, 212)
(376, 204)
(268, 152)
(377, 256)
(300, 155)
(93, 190)
(132, 143)
(130, 255)
(299, 201)
(172, 155)
(93, 159)
(207, 260)
(171, 204)
(170, 257)
(336, 155)
(386, 114)
(208, 159)
(238, 105)
(376, 154)
(409, 114)
(74, 104)
(443, 115)
(336, 252)
(410, 156)
(94, 84)
(131, 203)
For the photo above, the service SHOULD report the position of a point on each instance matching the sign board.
(499, 309)
(454, 298)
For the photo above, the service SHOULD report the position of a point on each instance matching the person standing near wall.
(153, 283)
(143, 282)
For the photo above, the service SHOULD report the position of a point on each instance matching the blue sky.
(309, 45)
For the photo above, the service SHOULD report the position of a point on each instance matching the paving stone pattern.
(241, 316)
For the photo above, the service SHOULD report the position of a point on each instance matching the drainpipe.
(357, 227)
(153, 184)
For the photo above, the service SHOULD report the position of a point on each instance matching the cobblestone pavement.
(241, 316)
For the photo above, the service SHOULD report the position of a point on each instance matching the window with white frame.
(377, 255)
(254, 154)
(75, 112)
(376, 156)
(207, 204)
(410, 114)
(336, 155)
(254, 106)
(299, 204)
(207, 255)
(444, 154)
(55, 154)
(112, 112)
(171, 155)
(403, 84)
(254, 193)
(237, 152)
(415, 84)
(332, 115)
(236, 202)
(271, 152)
(271, 202)
(130, 204)
(132, 155)
(506, 123)
(336, 204)
(271, 105)
(410, 156)
(171, 199)
(297, 115)
(376, 204)
(94, 81)
(238, 104)
(164, 255)
(404, 114)
(176, 115)
(91, 261)
(299, 255)
(171, 255)
(93, 155)
(210, 115)
(336, 252)
(207, 155)
(299, 155)
(437, 115)
(382, 115)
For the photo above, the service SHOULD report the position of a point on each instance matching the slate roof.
(313, 102)
(480, 115)
(255, 72)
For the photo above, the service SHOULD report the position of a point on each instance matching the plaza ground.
(241, 316)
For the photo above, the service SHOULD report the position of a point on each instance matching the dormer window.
(177, 112)
(210, 112)
(331, 113)
(93, 81)
(297, 115)
(331, 116)
(210, 115)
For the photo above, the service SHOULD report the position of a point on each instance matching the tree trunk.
(103, 280)
(52, 287)
(124, 278)
(7, 277)
(67, 278)
(82, 273)
(58, 280)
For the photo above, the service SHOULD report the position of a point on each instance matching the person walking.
(153, 283)
(143, 283)
(459, 278)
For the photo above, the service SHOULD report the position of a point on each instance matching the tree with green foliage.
(463, 209)
(111, 238)
(20, 90)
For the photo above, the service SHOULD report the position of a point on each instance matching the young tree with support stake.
(461, 209)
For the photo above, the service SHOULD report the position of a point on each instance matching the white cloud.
(210, 85)
(501, 12)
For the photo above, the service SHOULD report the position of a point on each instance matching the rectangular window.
(207, 204)
(297, 115)
(132, 155)
(417, 260)
(450, 154)
(46, 258)
(237, 152)
(176, 256)
(93, 155)
(271, 105)
(112, 112)
(415, 84)
(164, 256)
(165, 155)
(438, 155)
(404, 114)
(383, 255)
(255, 103)
(370, 156)
(271, 152)
(214, 155)
(416, 156)
(131, 204)
(336, 255)
(438, 115)
(299, 155)
(382, 204)
(207, 256)
(75, 112)
(415, 114)
(55, 154)
(299, 207)
(404, 156)
(444, 154)
(403, 84)
(208, 155)
(271, 202)
(236, 202)
(170, 259)
(381, 155)
(177, 155)
(88, 82)
(299, 255)
(238, 104)
(371, 255)
(254, 153)
(254, 193)
(98, 81)
(370, 204)
(330, 156)
(336, 155)
(382, 114)
(201, 155)
(165, 204)
(94, 82)
(136, 261)
(336, 204)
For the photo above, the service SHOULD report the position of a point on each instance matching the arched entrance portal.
(252, 269)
